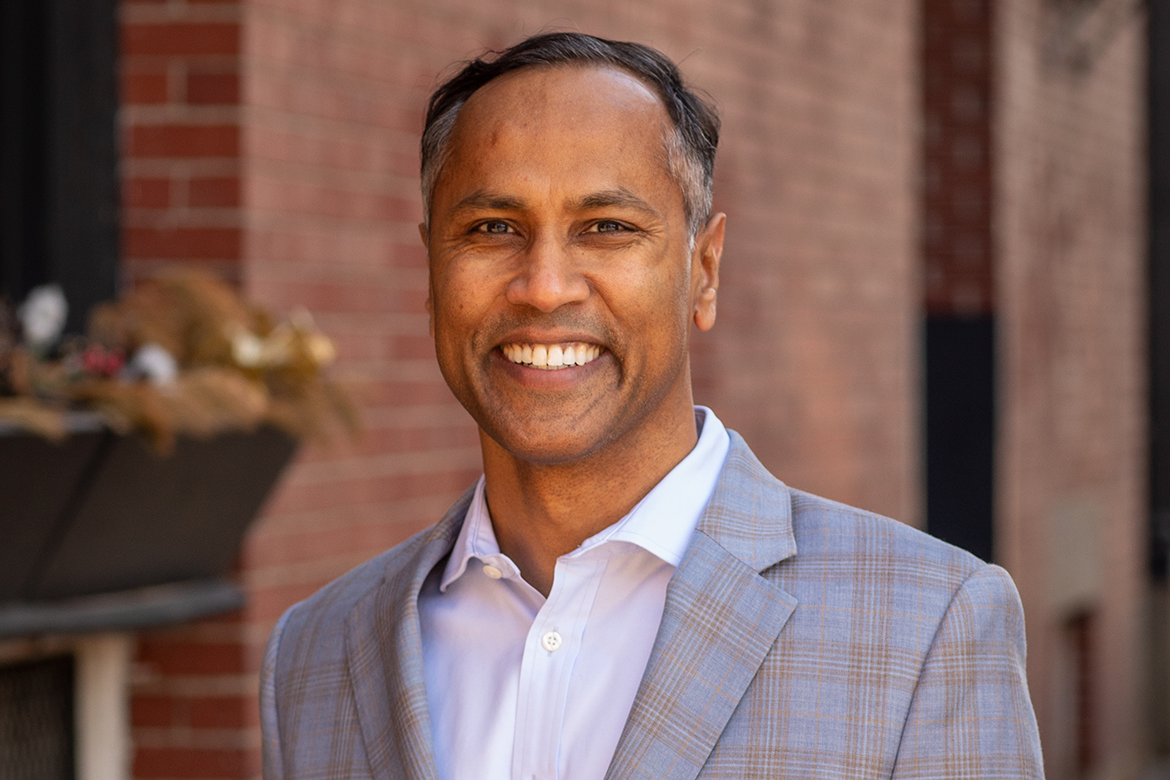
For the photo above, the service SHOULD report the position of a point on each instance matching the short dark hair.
(690, 149)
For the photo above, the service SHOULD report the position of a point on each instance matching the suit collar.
(383, 645)
(721, 619)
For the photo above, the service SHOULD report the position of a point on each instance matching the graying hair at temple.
(690, 148)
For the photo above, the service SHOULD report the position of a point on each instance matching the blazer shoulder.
(854, 543)
(767, 524)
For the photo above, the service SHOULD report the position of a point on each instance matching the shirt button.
(551, 641)
(492, 572)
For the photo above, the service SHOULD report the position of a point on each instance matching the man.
(626, 593)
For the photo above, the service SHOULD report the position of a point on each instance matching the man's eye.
(494, 227)
(608, 226)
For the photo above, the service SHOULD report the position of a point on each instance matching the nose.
(548, 278)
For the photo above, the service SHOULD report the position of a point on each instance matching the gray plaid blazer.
(801, 639)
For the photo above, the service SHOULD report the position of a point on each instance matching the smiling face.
(562, 277)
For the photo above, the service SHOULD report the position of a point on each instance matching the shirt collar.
(661, 523)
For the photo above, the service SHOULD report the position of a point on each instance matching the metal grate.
(36, 720)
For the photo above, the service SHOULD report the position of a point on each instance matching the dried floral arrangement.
(177, 355)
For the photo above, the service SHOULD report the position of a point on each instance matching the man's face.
(558, 235)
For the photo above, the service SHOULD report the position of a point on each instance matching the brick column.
(1070, 214)
(956, 222)
(181, 136)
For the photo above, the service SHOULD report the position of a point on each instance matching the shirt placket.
(550, 652)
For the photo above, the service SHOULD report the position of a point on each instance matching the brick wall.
(813, 358)
(180, 136)
(1071, 277)
(957, 165)
(194, 708)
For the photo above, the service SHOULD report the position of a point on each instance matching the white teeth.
(551, 356)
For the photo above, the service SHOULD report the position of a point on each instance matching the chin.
(545, 447)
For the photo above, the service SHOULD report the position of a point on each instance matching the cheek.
(675, 294)
(657, 313)
(462, 307)
(453, 298)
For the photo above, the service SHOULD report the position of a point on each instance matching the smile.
(551, 357)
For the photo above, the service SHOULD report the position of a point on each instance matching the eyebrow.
(483, 199)
(619, 197)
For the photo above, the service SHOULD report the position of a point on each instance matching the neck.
(541, 511)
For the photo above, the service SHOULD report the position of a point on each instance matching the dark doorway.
(960, 425)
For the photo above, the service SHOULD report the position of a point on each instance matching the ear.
(422, 232)
(705, 268)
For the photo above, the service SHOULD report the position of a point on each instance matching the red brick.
(144, 88)
(168, 762)
(152, 711)
(327, 297)
(412, 347)
(182, 243)
(213, 88)
(174, 140)
(211, 193)
(358, 492)
(191, 658)
(146, 193)
(180, 39)
(221, 712)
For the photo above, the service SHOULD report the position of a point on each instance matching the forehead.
(567, 92)
(560, 122)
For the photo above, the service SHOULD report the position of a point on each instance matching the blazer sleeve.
(971, 716)
(272, 761)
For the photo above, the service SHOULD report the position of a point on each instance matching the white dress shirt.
(526, 688)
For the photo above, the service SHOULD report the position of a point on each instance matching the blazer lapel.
(384, 655)
(721, 619)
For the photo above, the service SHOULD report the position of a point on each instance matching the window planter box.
(100, 525)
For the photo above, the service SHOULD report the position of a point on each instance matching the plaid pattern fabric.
(801, 639)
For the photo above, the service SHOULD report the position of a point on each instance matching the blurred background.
(945, 298)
